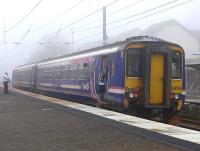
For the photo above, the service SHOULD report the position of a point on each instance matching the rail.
(190, 115)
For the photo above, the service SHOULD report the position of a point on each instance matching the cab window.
(176, 65)
(134, 63)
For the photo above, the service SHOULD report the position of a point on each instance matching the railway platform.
(34, 122)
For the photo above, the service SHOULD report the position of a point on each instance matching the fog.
(54, 28)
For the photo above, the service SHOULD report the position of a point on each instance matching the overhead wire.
(83, 18)
(88, 36)
(138, 14)
(124, 8)
(86, 29)
(111, 3)
(116, 27)
(61, 29)
(55, 18)
(117, 11)
(82, 27)
(143, 12)
(79, 20)
(123, 19)
(113, 28)
(63, 13)
(78, 31)
(20, 21)
(23, 37)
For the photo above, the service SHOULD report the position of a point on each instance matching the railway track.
(190, 115)
(190, 123)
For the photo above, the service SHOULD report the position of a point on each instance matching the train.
(142, 74)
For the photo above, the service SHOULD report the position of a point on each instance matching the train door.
(104, 78)
(106, 70)
(33, 78)
(156, 77)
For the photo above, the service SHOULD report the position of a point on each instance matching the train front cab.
(154, 80)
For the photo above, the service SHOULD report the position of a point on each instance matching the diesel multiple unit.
(143, 74)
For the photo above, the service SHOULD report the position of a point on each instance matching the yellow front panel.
(176, 88)
(132, 82)
(156, 79)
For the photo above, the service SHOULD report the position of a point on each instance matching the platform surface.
(32, 124)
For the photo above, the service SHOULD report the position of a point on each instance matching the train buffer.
(35, 122)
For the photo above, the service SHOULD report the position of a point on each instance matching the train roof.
(120, 44)
(109, 48)
(25, 66)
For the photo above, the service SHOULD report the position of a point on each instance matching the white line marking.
(47, 109)
(118, 91)
(46, 84)
(71, 86)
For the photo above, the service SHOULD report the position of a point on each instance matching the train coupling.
(157, 115)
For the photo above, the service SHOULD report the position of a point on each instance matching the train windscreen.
(134, 63)
(176, 65)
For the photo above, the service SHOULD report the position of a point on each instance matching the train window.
(50, 75)
(62, 67)
(57, 74)
(85, 65)
(70, 67)
(112, 69)
(80, 66)
(75, 66)
(67, 67)
(57, 68)
(72, 75)
(109, 67)
(82, 73)
(134, 63)
(176, 65)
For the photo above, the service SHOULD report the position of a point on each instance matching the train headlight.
(131, 95)
(136, 95)
(176, 96)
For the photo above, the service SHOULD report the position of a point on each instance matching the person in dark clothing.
(6, 80)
